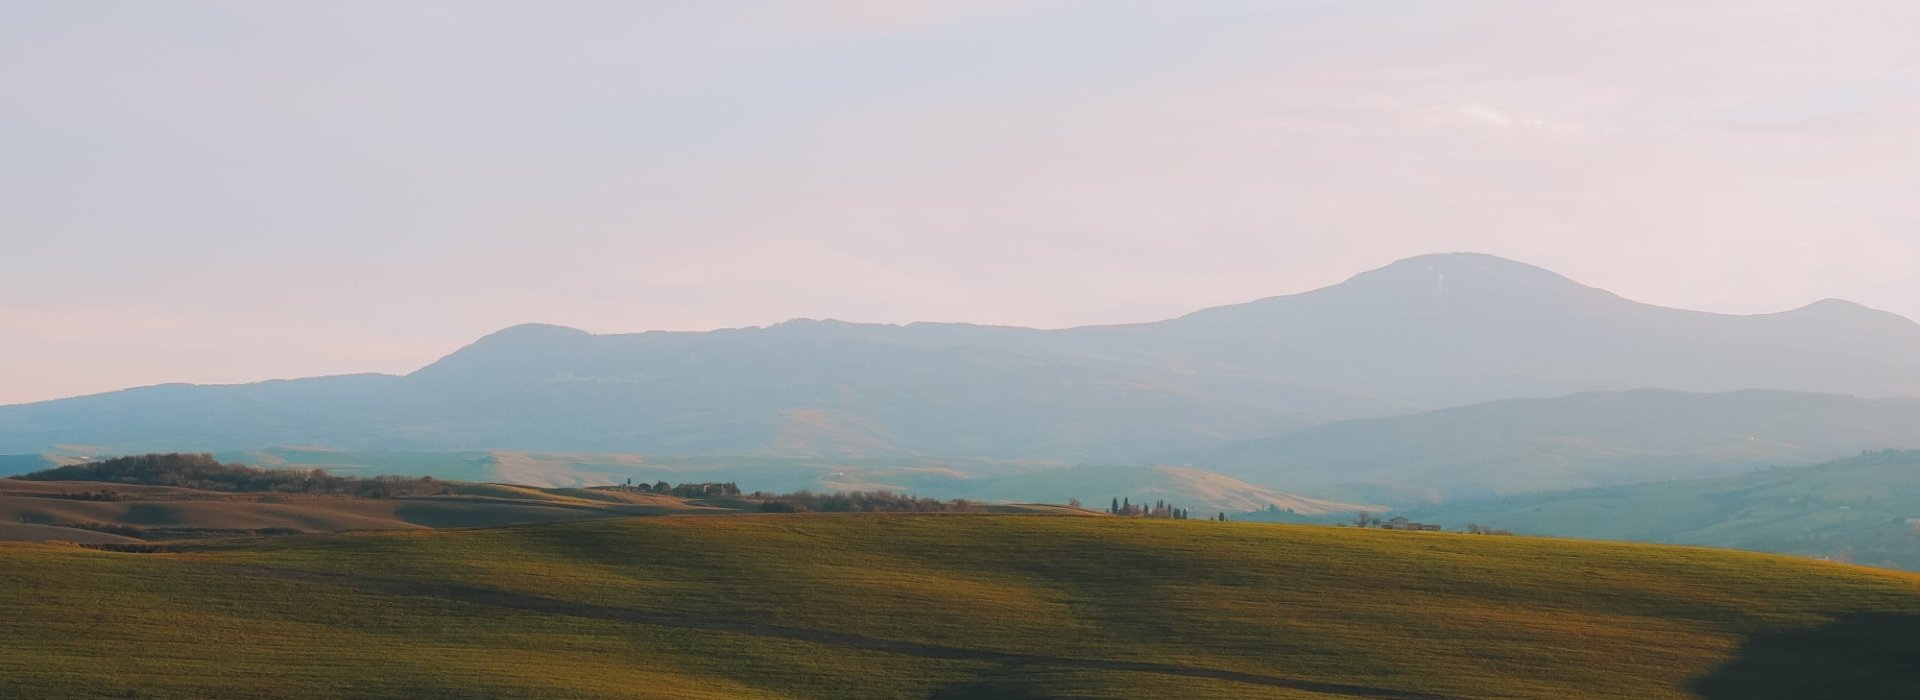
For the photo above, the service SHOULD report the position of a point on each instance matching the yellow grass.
(950, 606)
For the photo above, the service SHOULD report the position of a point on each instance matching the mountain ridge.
(1420, 334)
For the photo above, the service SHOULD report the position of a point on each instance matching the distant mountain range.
(1237, 383)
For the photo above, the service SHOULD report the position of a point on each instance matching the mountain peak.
(529, 331)
(1831, 305)
(1429, 284)
(524, 345)
(1849, 314)
(1478, 271)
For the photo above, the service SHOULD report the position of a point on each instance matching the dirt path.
(519, 601)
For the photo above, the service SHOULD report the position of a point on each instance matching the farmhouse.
(1399, 523)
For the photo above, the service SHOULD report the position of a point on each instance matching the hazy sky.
(219, 192)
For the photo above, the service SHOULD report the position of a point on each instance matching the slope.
(1592, 439)
(1862, 509)
(948, 606)
(81, 511)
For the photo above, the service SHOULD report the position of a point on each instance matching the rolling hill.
(1182, 486)
(1864, 509)
(980, 480)
(1591, 439)
(169, 497)
(947, 606)
(91, 512)
(1429, 332)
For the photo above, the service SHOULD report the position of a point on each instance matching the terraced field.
(946, 606)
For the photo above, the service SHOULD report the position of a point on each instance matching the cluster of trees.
(101, 495)
(688, 490)
(203, 472)
(1159, 509)
(1478, 529)
(860, 502)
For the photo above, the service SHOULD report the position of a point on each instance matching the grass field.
(947, 606)
(52, 510)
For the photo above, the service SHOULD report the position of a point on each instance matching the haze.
(226, 192)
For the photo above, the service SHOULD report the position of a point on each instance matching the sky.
(219, 192)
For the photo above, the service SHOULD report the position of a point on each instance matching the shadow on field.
(1013, 686)
(1858, 656)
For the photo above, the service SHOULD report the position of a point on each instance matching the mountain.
(1589, 439)
(1457, 329)
(1428, 332)
(1864, 509)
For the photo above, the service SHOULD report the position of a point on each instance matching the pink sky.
(227, 192)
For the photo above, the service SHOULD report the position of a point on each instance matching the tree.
(1364, 519)
(1116, 506)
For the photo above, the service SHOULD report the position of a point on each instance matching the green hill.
(1853, 509)
(1514, 447)
(947, 606)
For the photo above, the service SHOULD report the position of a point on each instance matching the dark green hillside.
(21, 464)
(1595, 439)
(1865, 509)
(947, 606)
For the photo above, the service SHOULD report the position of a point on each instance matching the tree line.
(702, 489)
(861, 502)
(1159, 509)
(201, 471)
